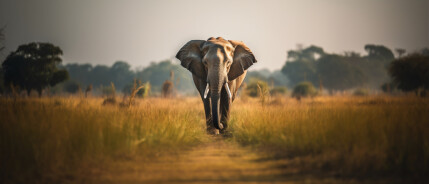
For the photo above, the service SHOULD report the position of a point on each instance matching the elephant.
(218, 68)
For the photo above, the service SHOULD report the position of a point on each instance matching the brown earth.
(218, 161)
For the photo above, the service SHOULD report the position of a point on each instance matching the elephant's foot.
(226, 133)
(213, 131)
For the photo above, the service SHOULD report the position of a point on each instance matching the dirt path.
(218, 161)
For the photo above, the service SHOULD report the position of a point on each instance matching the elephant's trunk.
(216, 83)
(215, 99)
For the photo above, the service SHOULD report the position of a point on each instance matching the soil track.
(217, 161)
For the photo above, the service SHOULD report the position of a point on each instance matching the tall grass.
(345, 135)
(48, 138)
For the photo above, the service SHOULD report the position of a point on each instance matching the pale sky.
(139, 32)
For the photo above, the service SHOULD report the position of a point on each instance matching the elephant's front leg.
(225, 106)
(207, 110)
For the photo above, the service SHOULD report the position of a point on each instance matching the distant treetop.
(34, 66)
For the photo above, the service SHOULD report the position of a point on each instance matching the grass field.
(53, 139)
(345, 136)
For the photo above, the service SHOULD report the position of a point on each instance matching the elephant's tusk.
(227, 90)
(206, 91)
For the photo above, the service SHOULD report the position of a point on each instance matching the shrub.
(252, 87)
(279, 90)
(71, 87)
(304, 89)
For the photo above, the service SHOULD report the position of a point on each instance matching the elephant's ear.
(243, 59)
(190, 57)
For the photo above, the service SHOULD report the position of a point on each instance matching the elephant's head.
(216, 61)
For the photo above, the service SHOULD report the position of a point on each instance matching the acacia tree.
(379, 53)
(34, 66)
(410, 72)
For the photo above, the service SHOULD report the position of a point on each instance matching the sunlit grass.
(50, 136)
(345, 135)
(357, 136)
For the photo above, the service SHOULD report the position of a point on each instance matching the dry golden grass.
(357, 136)
(48, 139)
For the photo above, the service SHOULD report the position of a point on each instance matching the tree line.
(121, 74)
(339, 71)
(38, 66)
(378, 69)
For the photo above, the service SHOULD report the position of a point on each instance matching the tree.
(34, 66)
(1, 69)
(388, 87)
(337, 73)
(158, 73)
(298, 71)
(301, 64)
(2, 86)
(400, 51)
(410, 72)
(81, 73)
(379, 53)
(120, 74)
(375, 64)
(100, 75)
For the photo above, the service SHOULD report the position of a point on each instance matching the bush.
(361, 92)
(252, 87)
(304, 89)
(279, 90)
(71, 87)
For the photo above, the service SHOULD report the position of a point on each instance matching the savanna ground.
(373, 139)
